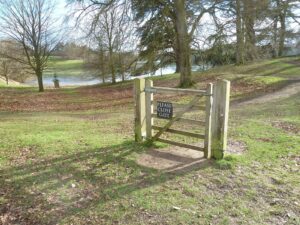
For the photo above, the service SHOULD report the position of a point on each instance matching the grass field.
(68, 157)
(266, 71)
(65, 68)
(11, 83)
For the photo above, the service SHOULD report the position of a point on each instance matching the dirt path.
(285, 92)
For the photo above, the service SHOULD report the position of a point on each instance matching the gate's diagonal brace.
(176, 117)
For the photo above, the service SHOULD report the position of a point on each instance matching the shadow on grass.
(48, 191)
(261, 67)
(281, 108)
(259, 93)
(278, 71)
(270, 69)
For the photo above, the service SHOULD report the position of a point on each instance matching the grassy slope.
(71, 159)
(11, 83)
(67, 68)
(277, 67)
(249, 80)
(284, 67)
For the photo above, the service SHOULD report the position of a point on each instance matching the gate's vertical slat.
(140, 113)
(207, 140)
(221, 94)
(149, 110)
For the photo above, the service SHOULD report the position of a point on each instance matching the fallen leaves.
(286, 126)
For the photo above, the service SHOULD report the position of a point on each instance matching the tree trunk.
(282, 32)
(40, 81)
(177, 70)
(101, 65)
(112, 67)
(183, 41)
(102, 74)
(177, 61)
(113, 74)
(275, 44)
(6, 78)
(121, 67)
(5, 71)
(249, 18)
(123, 76)
(239, 35)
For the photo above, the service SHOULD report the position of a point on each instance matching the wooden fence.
(216, 115)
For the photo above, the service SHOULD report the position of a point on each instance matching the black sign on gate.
(164, 110)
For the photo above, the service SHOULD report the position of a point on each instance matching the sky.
(61, 13)
(60, 5)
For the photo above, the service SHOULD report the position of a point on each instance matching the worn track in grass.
(287, 91)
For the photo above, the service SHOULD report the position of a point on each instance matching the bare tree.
(112, 30)
(31, 24)
(9, 68)
(5, 70)
(108, 24)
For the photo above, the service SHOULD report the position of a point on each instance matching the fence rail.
(185, 133)
(176, 90)
(180, 144)
(185, 120)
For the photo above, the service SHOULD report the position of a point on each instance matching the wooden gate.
(215, 123)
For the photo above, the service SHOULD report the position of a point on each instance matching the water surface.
(84, 80)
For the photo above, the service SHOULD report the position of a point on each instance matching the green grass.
(72, 170)
(66, 64)
(261, 80)
(263, 76)
(281, 67)
(10, 83)
(80, 167)
(67, 68)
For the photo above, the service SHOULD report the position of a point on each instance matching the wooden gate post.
(149, 110)
(209, 104)
(220, 112)
(140, 110)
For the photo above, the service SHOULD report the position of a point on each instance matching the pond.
(84, 79)
(67, 81)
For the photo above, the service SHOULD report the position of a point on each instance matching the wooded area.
(132, 37)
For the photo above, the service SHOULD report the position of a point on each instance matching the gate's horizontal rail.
(184, 120)
(176, 90)
(185, 133)
(180, 106)
(180, 144)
